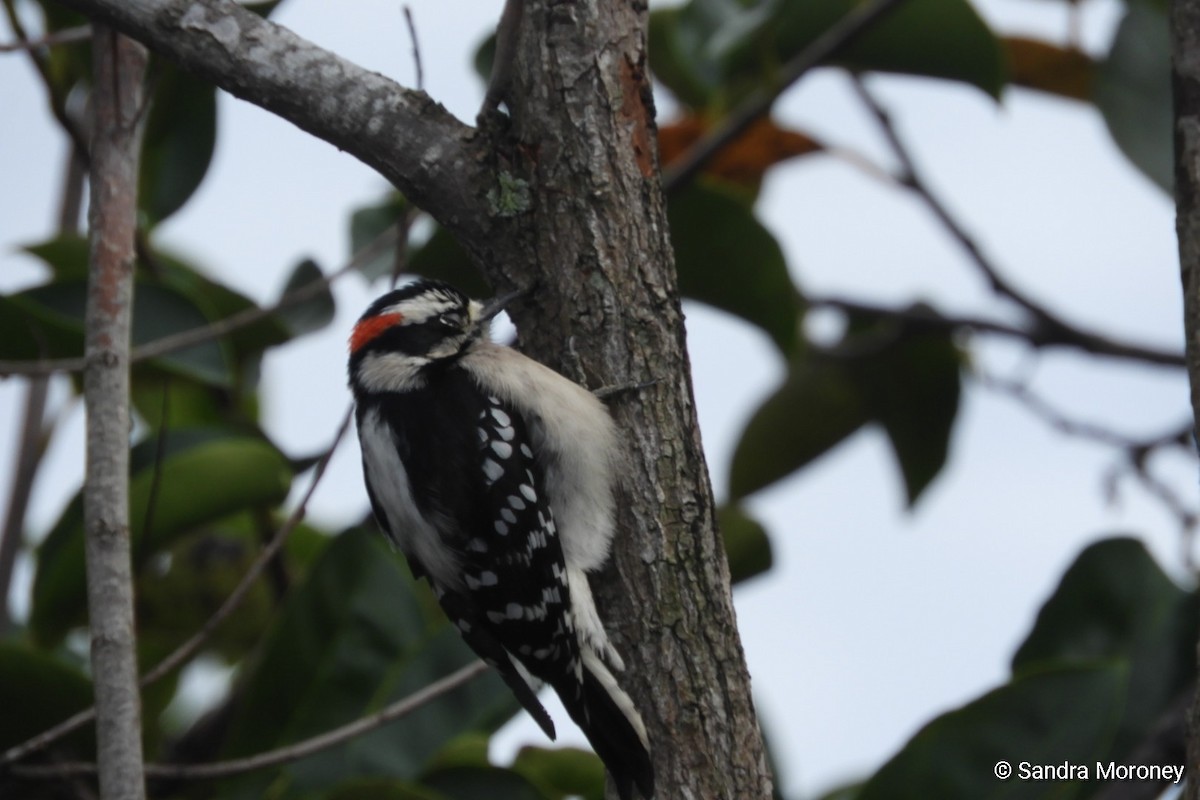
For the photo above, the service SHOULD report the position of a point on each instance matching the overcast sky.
(874, 619)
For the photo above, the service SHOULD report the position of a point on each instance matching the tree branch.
(433, 158)
(1036, 337)
(118, 67)
(282, 755)
(1048, 326)
(839, 36)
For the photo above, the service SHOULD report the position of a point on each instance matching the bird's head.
(413, 328)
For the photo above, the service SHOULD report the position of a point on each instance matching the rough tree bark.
(118, 69)
(1185, 56)
(567, 198)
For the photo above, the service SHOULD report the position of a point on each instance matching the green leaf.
(1048, 716)
(66, 255)
(727, 259)
(312, 314)
(354, 637)
(37, 691)
(381, 789)
(158, 311)
(679, 57)
(1116, 603)
(818, 406)
(710, 53)
(747, 546)
(1133, 91)
(206, 475)
(442, 257)
(369, 223)
(482, 783)
(933, 38)
(562, 772)
(181, 134)
(912, 390)
(220, 302)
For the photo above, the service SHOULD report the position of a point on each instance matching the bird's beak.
(498, 304)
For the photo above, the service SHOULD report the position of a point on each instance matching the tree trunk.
(118, 70)
(1185, 52)
(578, 171)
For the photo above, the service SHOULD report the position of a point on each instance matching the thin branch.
(282, 755)
(1138, 448)
(56, 98)
(189, 648)
(1136, 452)
(416, 47)
(25, 467)
(1037, 337)
(1048, 323)
(66, 36)
(434, 159)
(119, 67)
(219, 328)
(825, 47)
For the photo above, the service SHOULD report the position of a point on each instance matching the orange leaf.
(744, 160)
(1049, 68)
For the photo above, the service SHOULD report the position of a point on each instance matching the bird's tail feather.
(608, 718)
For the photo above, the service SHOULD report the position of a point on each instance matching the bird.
(494, 476)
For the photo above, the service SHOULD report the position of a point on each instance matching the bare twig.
(29, 453)
(824, 47)
(1036, 337)
(1136, 452)
(66, 36)
(282, 755)
(56, 98)
(217, 329)
(119, 67)
(910, 178)
(416, 47)
(189, 648)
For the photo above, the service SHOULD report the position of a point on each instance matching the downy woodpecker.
(494, 475)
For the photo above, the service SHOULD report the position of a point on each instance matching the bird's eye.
(450, 320)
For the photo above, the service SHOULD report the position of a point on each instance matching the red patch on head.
(368, 329)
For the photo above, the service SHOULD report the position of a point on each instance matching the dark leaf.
(54, 313)
(747, 545)
(312, 314)
(367, 224)
(912, 389)
(711, 53)
(181, 134)
(934, 38)
(1133, 91)
(1115, 603)
(727, 259)
(441, 257)
(357, 635)
(381, 789)
(1049, 716)
(562, 772)
(482, 783)
(818, 406)
(234, 471)
(38, 690)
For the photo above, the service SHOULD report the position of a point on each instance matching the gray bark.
(118, 71)
(1185, 54)
(566, 198)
